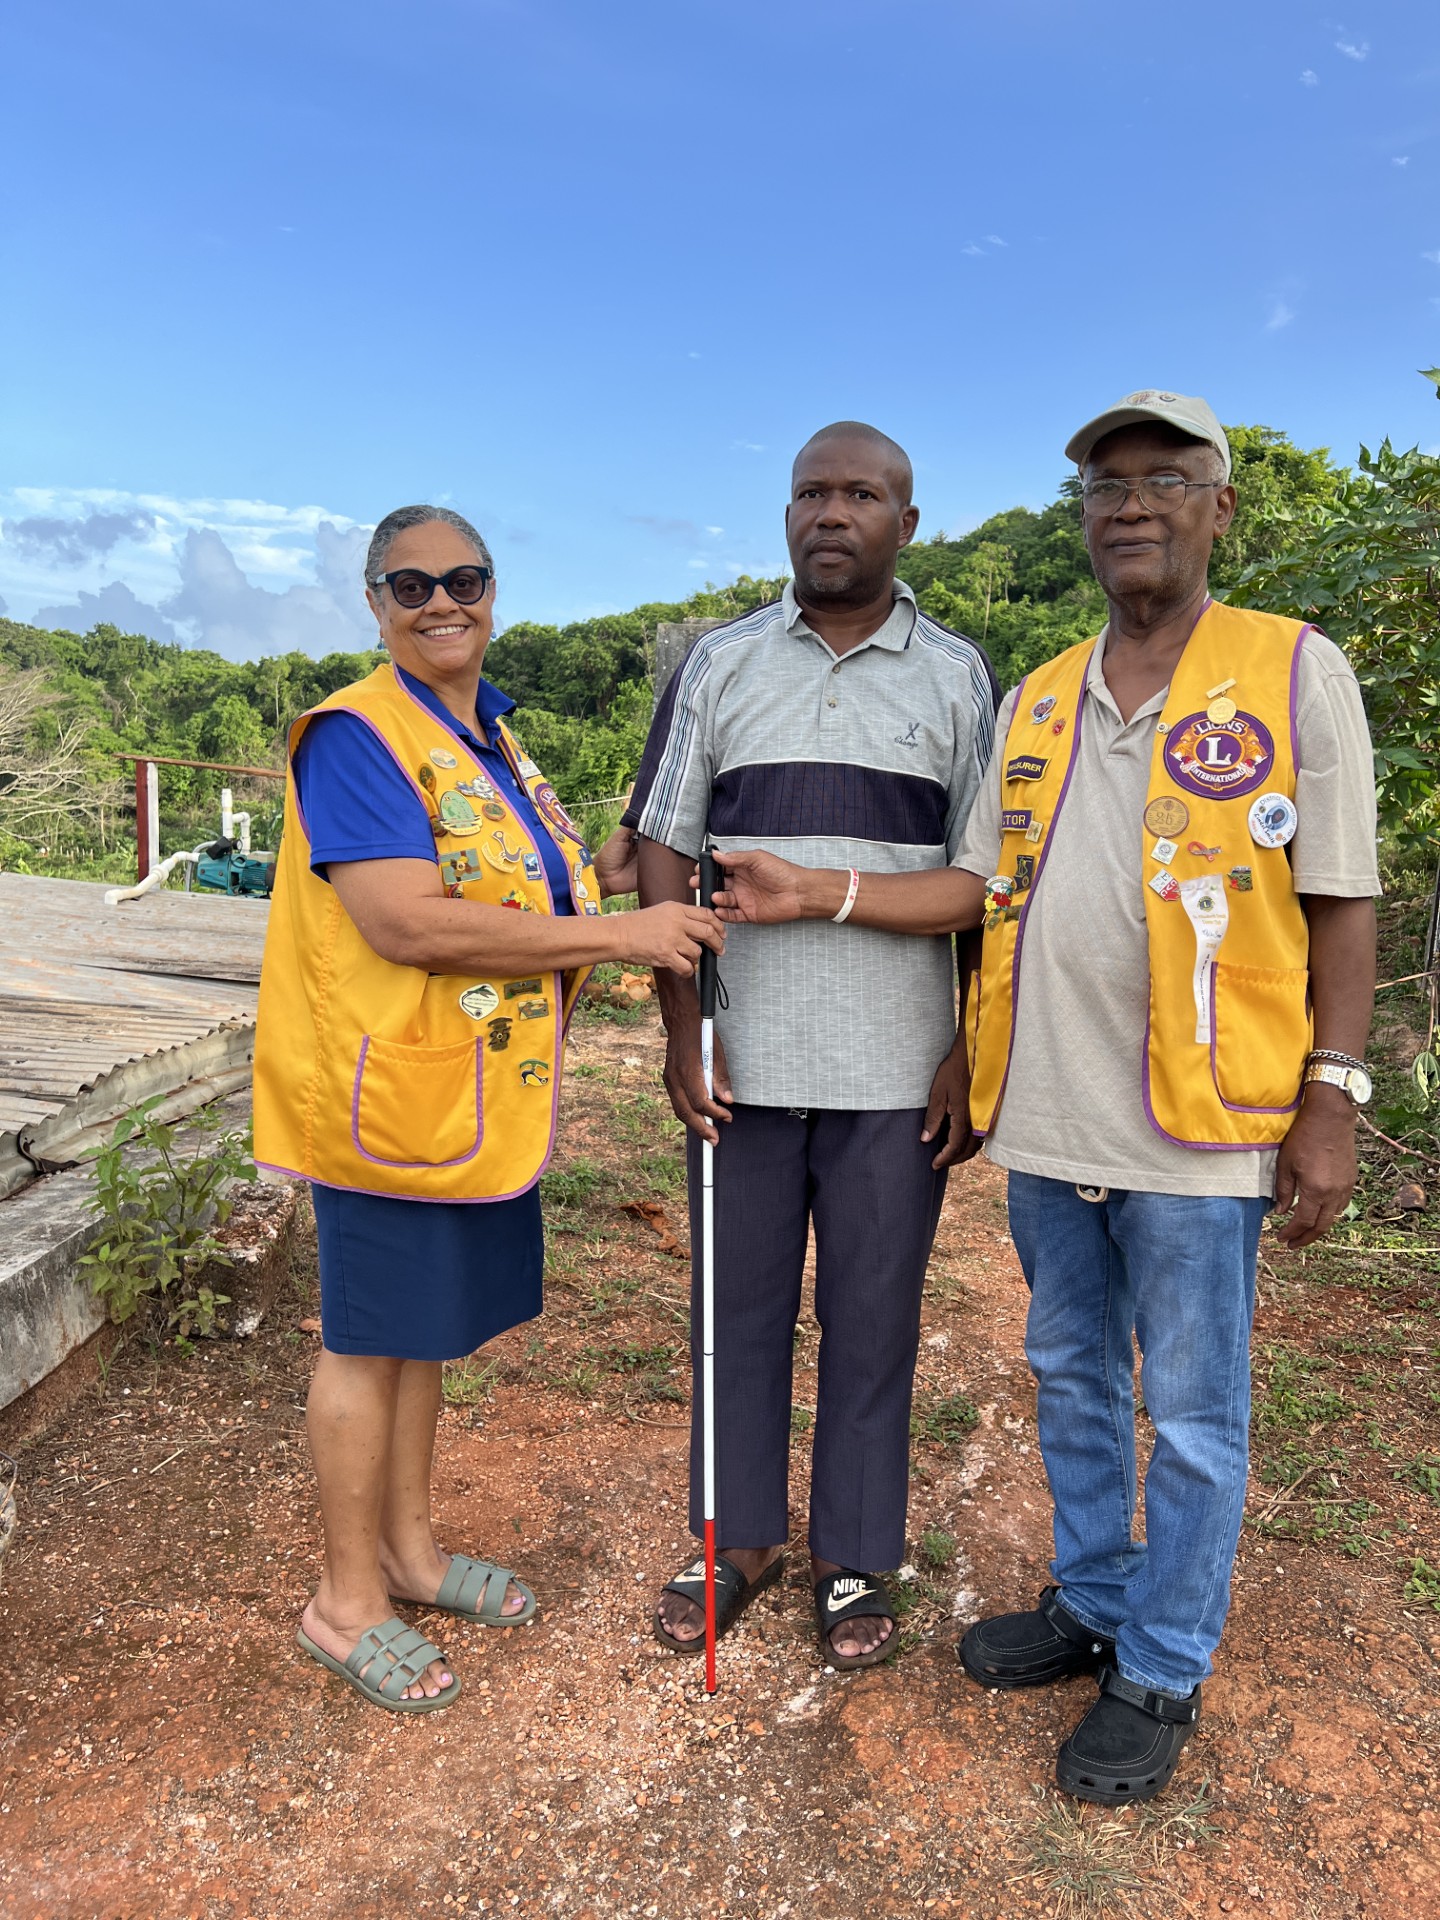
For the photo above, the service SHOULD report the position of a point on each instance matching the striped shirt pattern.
(871, 760)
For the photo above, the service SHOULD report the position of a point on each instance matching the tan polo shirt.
(1072, 1109)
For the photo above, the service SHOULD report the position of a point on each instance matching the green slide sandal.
(399, 1653)
(475, 1590)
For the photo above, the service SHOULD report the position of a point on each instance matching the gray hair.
(401, 520)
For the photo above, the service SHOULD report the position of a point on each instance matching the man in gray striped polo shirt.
(839, 727)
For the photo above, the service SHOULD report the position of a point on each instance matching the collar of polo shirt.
(897, 642)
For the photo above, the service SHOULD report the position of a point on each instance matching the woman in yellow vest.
(435, 914)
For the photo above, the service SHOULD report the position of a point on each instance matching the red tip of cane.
(710, 1680)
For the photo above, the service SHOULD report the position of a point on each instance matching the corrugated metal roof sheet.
(85, 988)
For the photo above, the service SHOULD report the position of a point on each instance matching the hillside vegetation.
(1357, 551)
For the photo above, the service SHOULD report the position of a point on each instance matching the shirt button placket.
(832, 698)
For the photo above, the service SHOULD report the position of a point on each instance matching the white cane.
(709, 877)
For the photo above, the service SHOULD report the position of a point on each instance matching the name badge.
(1015, 819)
(1026, 766)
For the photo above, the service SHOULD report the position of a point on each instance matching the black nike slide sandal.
(848, 1595)
(733, 1594)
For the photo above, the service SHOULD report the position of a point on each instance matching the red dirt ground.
(165, 1752)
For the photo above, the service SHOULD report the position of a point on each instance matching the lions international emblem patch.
(1219, 759)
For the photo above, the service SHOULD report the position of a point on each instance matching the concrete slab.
(46, 1311)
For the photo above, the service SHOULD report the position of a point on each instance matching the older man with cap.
(1178, 843)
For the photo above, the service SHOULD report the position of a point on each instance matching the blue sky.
(592, 273)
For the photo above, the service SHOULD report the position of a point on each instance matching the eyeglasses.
(412, 588)
(1157, 493)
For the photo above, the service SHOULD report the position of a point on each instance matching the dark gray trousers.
(866, 1181)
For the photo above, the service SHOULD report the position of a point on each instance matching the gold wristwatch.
(1340, 1070)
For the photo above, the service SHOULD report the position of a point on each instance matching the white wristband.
(844, 913)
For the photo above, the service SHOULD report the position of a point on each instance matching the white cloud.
(970, 247)
(1309, 78)
(243, 577)
(1433, 257)
(717, 531)
(1401, 160)
(1353, 49)
(1280, 316)
(995, 240)
(747, 446)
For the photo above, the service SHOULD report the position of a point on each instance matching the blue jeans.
(1176, 1273)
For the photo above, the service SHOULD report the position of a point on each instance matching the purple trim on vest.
(1309, 627)
(1035, 883)
(411, 1199)
(410, 1166)
(828, 800)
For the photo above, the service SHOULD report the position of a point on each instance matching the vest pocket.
(417, 1106)
(1259, 1036)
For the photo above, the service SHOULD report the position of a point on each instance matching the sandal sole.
(1110, 1791)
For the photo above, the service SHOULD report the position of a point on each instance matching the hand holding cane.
(708, 976)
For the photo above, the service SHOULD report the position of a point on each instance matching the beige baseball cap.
(1183, 410)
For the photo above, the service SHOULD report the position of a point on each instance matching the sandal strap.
(402, 1652)
(1068, 1627)
(860, 1596)
(1159, 1706)
(474, 1586)
(730, 1583)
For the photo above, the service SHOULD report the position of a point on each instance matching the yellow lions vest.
(385, 1078)
(1229, 1018)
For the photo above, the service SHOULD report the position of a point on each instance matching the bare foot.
(683, 1620)
(338, 1632)
(852, 1637)
(419, 1579)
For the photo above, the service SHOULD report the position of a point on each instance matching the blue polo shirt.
(358, 804)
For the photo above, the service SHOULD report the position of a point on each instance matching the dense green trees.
(1358, 552)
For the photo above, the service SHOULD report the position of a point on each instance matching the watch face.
(1359, 1086)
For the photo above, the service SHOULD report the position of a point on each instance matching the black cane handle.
(710, 878)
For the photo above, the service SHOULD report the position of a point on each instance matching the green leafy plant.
(1424, 1584)
(1365, 566)
(158, 1210)
(944, 1419)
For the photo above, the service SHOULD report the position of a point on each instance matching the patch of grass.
(1423, 1584)
(571, 1186)
(582, 1380)
(648, 1367)
(1092, 1863)
(801, 1419)
(1085, 1863)
(1422, 1473)
(593, 1070)
(664, 1172)
(642, 1117)
(943, 1419)
(465, 1383)
(937, 1547)
(1292, 1397)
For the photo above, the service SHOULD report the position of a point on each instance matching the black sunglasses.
(412, 588)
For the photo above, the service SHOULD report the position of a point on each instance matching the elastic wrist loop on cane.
(844, 913)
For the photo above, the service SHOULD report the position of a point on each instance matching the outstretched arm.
(764, 889)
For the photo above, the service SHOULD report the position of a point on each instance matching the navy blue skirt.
(416, 1280)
